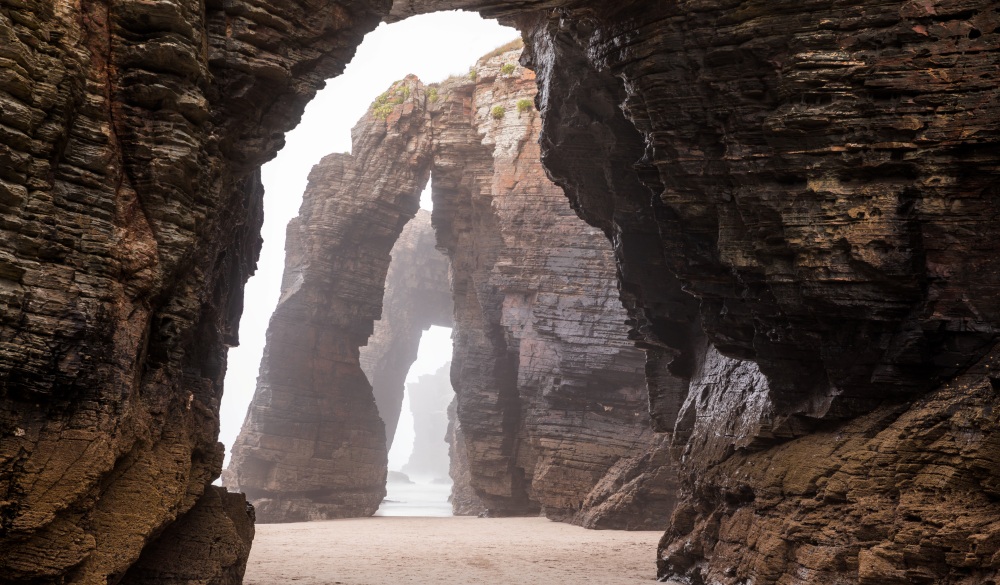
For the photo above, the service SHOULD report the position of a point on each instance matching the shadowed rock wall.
(820, 180)
(808, 187)
(131, 134)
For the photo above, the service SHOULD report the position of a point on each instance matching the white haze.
(431, 47)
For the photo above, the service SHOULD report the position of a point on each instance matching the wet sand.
(449, 551)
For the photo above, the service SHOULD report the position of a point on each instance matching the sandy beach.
(448, 551)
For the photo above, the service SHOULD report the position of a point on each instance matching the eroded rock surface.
(131, 134)
(417, 296)
(313, 445)
(802, 202)
(821, 181)
(209, 544)
(551, 394)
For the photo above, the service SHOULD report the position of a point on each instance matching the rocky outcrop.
(313, 445)
(820, 181)
(417, 296)
(131, 134)
(550, 392)
(210, 544)
(430, 397)
(802, 202)
(464, 501)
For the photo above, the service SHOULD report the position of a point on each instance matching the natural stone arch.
(122, 371)
(313, 445)
(550, 392)
(417, 297)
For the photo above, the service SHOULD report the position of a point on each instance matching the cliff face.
(802, 201)
(550, 392)
(313, 445)
(417, 296)
(130, 138)
(822, 181)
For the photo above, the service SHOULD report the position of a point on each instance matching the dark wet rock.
(131, 136)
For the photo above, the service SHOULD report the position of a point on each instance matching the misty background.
(431, 47)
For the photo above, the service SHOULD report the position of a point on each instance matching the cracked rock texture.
(131, 134)
(802, 199)
(313, 446)
(804, 239)
(417, 296)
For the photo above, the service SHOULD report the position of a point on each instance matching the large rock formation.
(131, 134)
(313, 445)
(822, 181)
(550, 392)
(801, 196)
(417, 296)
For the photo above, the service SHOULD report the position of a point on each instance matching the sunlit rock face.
(131, 134)
(417, 296)
(313, 445)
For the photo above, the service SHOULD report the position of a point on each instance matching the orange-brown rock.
(551, 403)
(550, 393)
(802, 203)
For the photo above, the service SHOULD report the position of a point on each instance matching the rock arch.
(819, 177)
(549, 391)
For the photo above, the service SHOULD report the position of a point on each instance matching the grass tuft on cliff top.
(517, 43)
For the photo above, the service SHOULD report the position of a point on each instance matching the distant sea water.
(416, 499)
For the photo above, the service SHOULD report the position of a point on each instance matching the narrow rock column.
(430, 397)
(313, 445)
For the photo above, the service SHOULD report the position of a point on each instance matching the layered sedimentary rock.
(313, 445)
(821, 179)
(417, 296)
(550, 393)
(464, 501)
(131, 134)
(430, 397)
(209, 544)
(801, 198)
